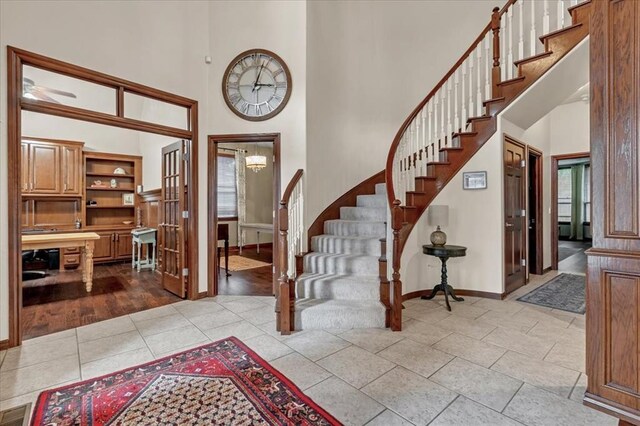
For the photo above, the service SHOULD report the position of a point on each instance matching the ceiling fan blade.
(55, 91)
(38, 94)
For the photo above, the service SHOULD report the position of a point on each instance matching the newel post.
(284, 309)
(396, 293)
(495, 71)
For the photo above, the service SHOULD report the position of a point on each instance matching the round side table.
(444, 253)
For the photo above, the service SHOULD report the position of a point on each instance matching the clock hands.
(257, 78)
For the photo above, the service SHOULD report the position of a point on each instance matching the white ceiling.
(566, 82)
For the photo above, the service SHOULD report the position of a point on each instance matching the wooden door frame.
(539, 264)
(555, 159)
(212, 195)
(507, 138)
(16, 59)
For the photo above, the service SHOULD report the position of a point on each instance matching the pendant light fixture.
(256, 162)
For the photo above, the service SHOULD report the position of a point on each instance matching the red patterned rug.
(222, 383)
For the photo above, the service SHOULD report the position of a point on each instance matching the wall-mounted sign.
(474, 180)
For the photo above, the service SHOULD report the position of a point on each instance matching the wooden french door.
(514, 215)
(174, 211)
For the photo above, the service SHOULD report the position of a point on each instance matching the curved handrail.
(292, 184)
(391, 195)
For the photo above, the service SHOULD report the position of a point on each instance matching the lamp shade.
(438, 215)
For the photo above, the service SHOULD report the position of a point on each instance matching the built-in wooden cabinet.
(51, 168)
(113, 246)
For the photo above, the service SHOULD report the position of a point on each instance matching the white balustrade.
(296, 227)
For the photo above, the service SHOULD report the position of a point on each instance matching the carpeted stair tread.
(363, 213)
(331, 263)
(362, 228)
(381, 189)
(338, 286)
(371, 201)
(346, 244)
(341, 314)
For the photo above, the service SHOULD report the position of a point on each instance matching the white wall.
(369, 64)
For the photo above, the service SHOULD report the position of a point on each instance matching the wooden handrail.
(285, 297)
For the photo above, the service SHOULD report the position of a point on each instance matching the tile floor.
(486, 363)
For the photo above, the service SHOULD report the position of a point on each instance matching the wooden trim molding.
(367, 186)
(539, 185)
(16, 59)
(4, 345)
(459, 292)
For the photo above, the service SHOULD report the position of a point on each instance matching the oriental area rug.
(222, 383)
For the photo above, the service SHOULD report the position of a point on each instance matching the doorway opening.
(88, 176)
(570, 212)
(244, 191)
(535, 252)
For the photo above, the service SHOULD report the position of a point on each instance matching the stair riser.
(537, 67)
(320, 319)
(335, 245)
(363, 213)
(362, 229)
(581, 14)
(371, 201)
(493, 108)
(327, 289)
(340, 265)
(564, 42)
(416, 199)
(424, 185)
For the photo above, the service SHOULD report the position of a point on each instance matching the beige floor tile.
(153, 326)
(569, 356)
(259, 316)
(196, 308)
(570, 336)
(389, 418)
(267, 347)
(504, 306)
(422, 332)
(416, 357)
(464, 309)
(242, 305)
(105, 328)
(430, 316)
(39, 376)
(109, 346)
(29, 398)
(415, 398)
(545, 375)
(224, 298)
(578, 323)
(356, 366)
(533, 406)
(267, 300)
(372, 339)
(170, 341)
(48, 337)
(577, 394)
(214, 320)
(161, 311)
(546, 317)
(116, 362)
(463, 411)
(476, 351)
(508, 320)
(316, 344)
(48, 350)
(2, 355)
(242, 330)
(487, 387)
(344, 402)
(532, 346)
(469, 327)
(302, 372)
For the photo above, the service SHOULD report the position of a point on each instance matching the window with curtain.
(227, 195)
(564, 195)
(587, 194)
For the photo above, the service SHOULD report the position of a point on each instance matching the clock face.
(256, 85)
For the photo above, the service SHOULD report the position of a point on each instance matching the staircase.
(453, 122)
(340, 285)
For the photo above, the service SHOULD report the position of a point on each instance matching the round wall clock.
(256, 85)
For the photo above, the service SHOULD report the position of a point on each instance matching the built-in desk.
(84, 240)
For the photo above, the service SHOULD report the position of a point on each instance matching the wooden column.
(495, 71)
(613, 277)
(397, 217)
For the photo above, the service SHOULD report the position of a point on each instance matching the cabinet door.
(104, 247)
(44, 165)
(27, 213)
(71, 170)
(24, 171)
(123, 244)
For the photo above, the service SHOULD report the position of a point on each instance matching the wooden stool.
(140, 237)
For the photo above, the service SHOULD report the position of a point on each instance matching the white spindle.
(479, 82)
(574, 2)
(471, 95)
(546, 19)
(443, 128)
(533, 28)
(521, 29)
(429, 135)
(436, 120)
(561, 11)
(488, 63)
(456, 117)
(503, 48)
(509, 63)
(449, 113)
(463, 99)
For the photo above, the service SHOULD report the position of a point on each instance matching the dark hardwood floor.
(250, 282)
(59, 302)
